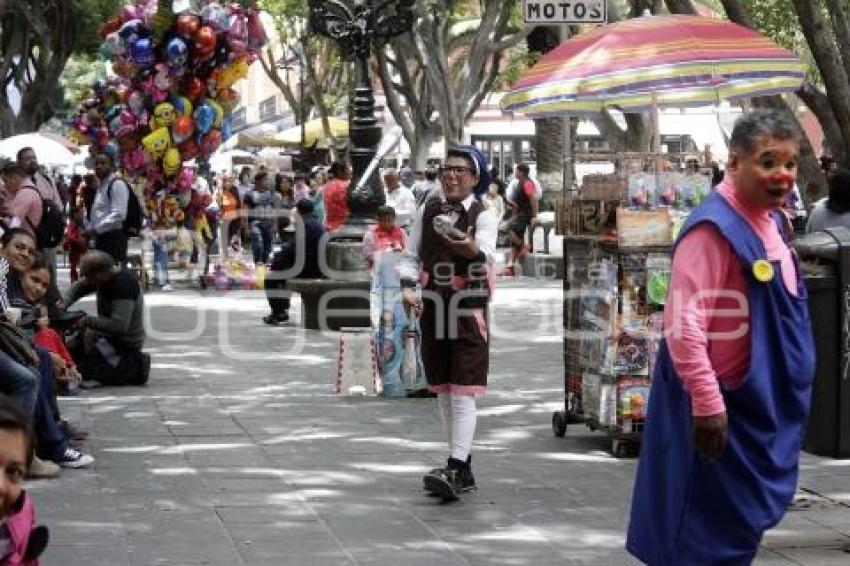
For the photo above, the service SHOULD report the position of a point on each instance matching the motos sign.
(565, 11)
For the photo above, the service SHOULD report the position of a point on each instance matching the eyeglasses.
(458, 170)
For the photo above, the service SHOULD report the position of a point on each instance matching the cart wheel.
(559, 423)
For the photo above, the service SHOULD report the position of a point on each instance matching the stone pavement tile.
(215, 484)
(100, 551)
(154, 480)
(285, 539)
(766, 557)
(234, 453)
(799, 532)
(290, 511)
(157, 537)
(821, 556)
(414, 554)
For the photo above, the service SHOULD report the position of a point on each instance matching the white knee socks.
(459, 420)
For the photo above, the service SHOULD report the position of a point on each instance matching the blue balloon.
(141, 52)
(226, 128)
(204, 117)
(176, 54)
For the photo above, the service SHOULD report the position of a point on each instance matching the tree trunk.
(37, 41)
(316, 93)
(829, 62)
(420, 147)
(548, 132)
(809, 167)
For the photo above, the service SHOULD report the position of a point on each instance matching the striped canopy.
(635, 64)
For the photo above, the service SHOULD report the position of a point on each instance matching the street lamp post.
(357, 26)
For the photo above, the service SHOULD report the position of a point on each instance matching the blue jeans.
(19, 382)
(261, 242)
(160, 263)
(51, 442)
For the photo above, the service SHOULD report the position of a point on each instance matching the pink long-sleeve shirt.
(706, 317)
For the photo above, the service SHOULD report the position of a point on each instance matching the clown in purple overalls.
(730, 392)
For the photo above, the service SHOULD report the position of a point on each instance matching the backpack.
(51, 227)
(133, 219)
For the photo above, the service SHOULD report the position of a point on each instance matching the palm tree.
(548, 132)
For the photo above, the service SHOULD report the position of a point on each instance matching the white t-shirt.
(404, 203)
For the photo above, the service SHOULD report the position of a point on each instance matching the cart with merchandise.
(619, 232)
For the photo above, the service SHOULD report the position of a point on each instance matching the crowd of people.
(50, 348)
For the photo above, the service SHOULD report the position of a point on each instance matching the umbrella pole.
(656, 135)
(567, 175)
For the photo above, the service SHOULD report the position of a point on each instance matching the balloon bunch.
(172, 96)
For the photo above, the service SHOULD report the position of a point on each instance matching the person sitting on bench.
(286, 263)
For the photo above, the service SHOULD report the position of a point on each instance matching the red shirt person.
(336, 197)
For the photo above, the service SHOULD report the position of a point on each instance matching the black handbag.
(16, 344)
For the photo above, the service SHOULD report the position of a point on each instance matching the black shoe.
(275, 319)
(451, 481)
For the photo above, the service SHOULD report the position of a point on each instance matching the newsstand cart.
(612, 325)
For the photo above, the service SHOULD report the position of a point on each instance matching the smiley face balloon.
(157, 143)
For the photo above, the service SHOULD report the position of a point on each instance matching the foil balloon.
(189, 149)
(111, 25)
(132, 31)
(186, 179)
(162, 80)
(136, 102)
(219, 112)
(157, 143)
(227, 76)
(215, 16)
(182, 128)
(134, 160)
(164, 115)
(256, 33)
(210, 143)
(141, 52)
(229, 99)
(177, 55)
(205, 42)
(171, 162)
(187, 24)
(205, 117)
(131, 12)
(194, 88)
(183, 105)
(226, 128)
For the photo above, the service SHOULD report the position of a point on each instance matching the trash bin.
(826, 257)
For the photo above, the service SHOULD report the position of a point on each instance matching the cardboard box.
(638, 228)
(603, 187)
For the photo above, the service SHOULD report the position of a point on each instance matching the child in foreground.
(21, 542)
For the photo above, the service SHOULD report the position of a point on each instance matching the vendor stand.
(619, 231)
(621, 228)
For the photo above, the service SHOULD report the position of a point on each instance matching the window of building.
(239, 118)
(268, 108)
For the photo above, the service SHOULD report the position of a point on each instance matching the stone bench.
(346, 304)
(546, 222)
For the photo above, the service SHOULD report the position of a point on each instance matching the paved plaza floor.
(237, 452)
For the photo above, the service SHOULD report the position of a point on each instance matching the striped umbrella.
(654, 61)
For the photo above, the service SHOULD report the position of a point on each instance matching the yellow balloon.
(219, 112)
(228, 76)
(171, 162)
(157, 143)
